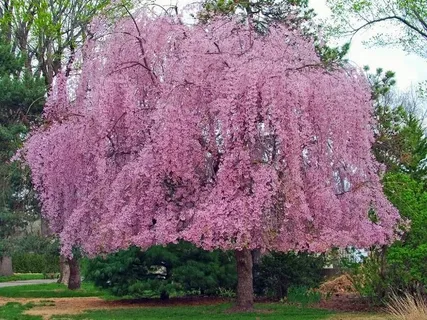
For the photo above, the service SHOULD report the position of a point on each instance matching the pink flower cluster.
(209, 133)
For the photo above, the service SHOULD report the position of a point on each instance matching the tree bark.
(75, 280)
(64, 271)
(6, 266)
(245, 289)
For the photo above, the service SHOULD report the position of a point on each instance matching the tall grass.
(407, 307)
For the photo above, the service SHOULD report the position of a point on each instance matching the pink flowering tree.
(213, 134)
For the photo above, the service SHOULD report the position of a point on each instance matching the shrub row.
(34, 263)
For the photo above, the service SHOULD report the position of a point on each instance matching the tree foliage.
(277, 272)
(163, 271)
(210, 133)
(401, 146)
(296, 14)
(46, 32)
(400, 267)
(399, 22)
(21, 100)
(400, 142)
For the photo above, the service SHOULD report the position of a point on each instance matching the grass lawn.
(14, 310)
(218, 312)
(213, 312)
(22, 276)
(129, 311)
(51, 290)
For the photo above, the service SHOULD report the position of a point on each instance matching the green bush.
(303, 295)
(277, 272)
(33, 253)
(402, 266)
(34, 263)
(163, 271)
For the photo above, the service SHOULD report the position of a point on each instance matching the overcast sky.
(409, 68)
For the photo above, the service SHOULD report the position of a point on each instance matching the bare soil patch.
(354, 307)
(64, 306)
(350, 302)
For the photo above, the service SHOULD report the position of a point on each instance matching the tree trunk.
(74, 281)
(6, 266)
(245, 289)
(64, 270)
(44, 227)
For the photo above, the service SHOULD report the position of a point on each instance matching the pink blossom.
(213, 134)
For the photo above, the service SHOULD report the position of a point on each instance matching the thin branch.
(115, 123)
(141, 45)
(32, 103)
(217, 46)
(404, 21)
(133, 19)
(132, 64)
(110, 131)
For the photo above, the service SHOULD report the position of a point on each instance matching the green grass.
(219, 312)
(214, 312)
(51, 290)
(22, 276)
(14, 310)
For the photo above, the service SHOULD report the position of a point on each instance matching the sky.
(410, 68)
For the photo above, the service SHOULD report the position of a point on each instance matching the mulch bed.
(350, 302)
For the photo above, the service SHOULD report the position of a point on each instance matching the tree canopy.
(21, 100)
(213, 134)
(399, 22)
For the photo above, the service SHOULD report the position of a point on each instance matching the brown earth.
(347, 302)
(340, 294)
(354, 307)
(62, 306)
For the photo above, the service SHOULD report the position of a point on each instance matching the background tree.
(399, 22)
(406, 258)
(46, 32)
(294, 13)
(45, 35)
(401, 146)
(164, 270)
(400, 142)
(278, 272)
(21, 101)
(216, 137)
